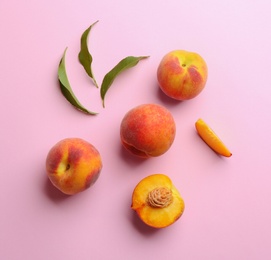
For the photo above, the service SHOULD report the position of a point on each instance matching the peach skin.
(147, 130)
(73, 165)
(182, 75)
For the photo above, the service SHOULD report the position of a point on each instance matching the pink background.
(228, 200)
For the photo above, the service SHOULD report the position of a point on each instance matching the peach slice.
(157, 201)
(211, 139)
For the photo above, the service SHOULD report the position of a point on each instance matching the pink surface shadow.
(166, 100)
(53, 193)
(131, 159)
(141, 227)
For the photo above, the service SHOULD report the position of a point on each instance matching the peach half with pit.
(147, 130)
(182, 75)
(157, 201)
(73, 165)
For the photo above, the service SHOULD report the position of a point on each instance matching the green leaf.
(84, 56)
(124, 64)
(66, 87)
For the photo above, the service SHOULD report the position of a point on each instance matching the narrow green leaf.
(66, 87)
(84, 56)
(124, 64)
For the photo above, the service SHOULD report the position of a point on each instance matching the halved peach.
(157, 201)
(211, 139)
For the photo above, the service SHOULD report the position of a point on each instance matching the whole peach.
(147, 130)
(182, 75)
(73, 165)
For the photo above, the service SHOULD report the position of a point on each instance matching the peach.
(182, 75)
(157, 201)
(147, 130)
(73, 165)
(211, 138)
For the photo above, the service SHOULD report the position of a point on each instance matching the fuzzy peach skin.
(73, 165)
(147, 130)
(182, 75)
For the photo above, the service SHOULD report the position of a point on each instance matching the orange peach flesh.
(211, 139)
(147, 130)
(182, 75)
(73, 165)
(157, 217)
